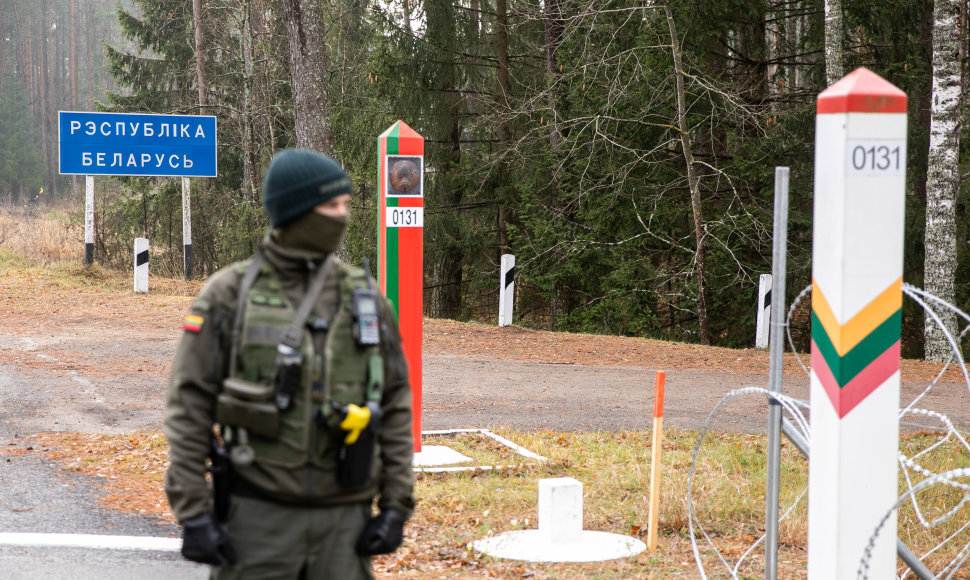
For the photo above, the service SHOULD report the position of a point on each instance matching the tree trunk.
(502, 74)
(306, 32)
(249, 187)
(553, 24)
(73, 26)
(199, 54)
(943, 174)
(693, 181)
(43, 83)
(57, 62)
(20, 46)
(90, 60)
(4, 14)
(74, 69)
(502, 79)
(29, 73)
(203, 85)
(407, 15)
(263, 123)
(448, 268)
(774, 27)
(833, 41)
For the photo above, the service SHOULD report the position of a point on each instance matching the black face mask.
(313, 232)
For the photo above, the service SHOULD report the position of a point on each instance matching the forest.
(623, 150)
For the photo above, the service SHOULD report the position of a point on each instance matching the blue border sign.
(137, 144)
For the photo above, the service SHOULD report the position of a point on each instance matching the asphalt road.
(459, 392)
(37, 496)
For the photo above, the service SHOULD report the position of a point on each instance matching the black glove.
(382, 534)
(206, 542)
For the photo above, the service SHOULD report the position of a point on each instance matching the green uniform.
(295, 467)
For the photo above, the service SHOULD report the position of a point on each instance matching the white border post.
(857, 267)
(187, 225)
(764, 312)
(141, 264)
(506, 291)
(88, 220)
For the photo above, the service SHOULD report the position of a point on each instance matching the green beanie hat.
(297, 180)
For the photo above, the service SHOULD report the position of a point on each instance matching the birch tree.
(199, 54)
(834, 69)
(943, 173)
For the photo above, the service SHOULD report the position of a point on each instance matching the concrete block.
(560, 509)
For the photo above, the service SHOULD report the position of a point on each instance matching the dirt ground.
(96, 356)
(83, 354)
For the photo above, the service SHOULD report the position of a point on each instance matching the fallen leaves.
(131, 467)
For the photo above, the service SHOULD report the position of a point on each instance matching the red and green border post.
(400, 242)
(857, 268)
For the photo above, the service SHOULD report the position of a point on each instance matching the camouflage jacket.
(202, 363)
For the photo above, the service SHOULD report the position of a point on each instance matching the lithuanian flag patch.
(193, 323)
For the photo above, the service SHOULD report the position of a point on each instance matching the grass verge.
(456, 508)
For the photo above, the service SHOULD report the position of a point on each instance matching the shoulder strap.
(293, 334)
(252, 272)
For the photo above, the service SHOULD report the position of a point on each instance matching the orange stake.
(658, 422)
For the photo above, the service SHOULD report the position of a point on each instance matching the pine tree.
(21, 166)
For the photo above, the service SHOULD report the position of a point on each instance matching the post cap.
(862, 91)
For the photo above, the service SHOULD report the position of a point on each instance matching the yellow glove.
(356, 421)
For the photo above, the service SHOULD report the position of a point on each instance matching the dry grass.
(42, 236)
(457, 508)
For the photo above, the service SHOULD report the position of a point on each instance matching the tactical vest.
(345, 373)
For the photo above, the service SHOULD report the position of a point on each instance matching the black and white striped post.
(764, 312)
(141, 265)
(88, 220)
(187, 225)
(506, 290)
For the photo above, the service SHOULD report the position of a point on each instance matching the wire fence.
(934, 504)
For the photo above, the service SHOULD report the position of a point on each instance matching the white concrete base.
(437, 455)
(535, 546)
(560, 537)
(435, 463)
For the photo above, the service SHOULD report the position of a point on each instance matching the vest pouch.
(354, 460)
(249, 406)
(246, 390)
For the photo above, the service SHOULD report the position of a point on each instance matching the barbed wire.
(788, 404)
(911, 492)
(916, 474)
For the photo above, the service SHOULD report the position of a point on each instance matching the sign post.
(400, 235)
(88, 220)
(187, 226)
(857, 266)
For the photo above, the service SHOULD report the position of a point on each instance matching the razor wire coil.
(916, 475)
